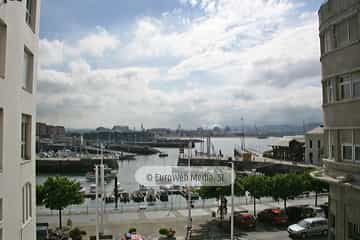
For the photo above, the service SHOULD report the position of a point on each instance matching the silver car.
(309, 227)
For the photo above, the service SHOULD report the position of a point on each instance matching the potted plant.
(76, 234)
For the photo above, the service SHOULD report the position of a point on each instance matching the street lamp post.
(232, 200)
(97, 200)
(189, 192)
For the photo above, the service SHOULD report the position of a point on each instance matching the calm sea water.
(127, 169)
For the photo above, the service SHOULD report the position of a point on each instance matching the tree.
(285, 186)
(40, 195)
(59, 192)
(219, 192)
(315, 185)
(257, 186)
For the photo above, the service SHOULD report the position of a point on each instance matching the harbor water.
(128, 168)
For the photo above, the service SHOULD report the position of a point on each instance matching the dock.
(72, 165)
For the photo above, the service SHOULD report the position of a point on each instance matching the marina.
(166, 196)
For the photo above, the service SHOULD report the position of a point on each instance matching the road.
(205, 226)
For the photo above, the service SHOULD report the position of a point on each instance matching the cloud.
(97, 43)
(231, 58)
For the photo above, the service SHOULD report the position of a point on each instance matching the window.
(28, 70)
(347, 152)
(1, 138)
(341, 34)
(310, 143)
(354, 231)
(357, 144)
(357, 152)
(1, 211)
(346, 140)
(3, 33)
(345, 87)
(353, 28)
(318, 144)
(26, 137)
(26, 203)
(328, 40)
(356, 88)
(30, 16)
(311, 157)
(328, 91)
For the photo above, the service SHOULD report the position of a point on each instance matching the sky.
(169, 62)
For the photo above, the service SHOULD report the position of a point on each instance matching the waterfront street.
(205, 226)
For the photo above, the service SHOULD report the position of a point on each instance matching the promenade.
(149, 222)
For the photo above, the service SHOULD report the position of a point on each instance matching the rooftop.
(318, 130)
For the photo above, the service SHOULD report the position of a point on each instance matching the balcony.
(341, 172)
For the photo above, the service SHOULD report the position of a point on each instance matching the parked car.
(244, 220)
(275, 216)
(298, 212)
(309, 227)
(42, 231)
(325, 208)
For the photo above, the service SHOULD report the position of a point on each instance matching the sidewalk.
(148, 223)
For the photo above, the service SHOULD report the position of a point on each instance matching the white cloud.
(250, 57)
(51, 52)
(97, 43)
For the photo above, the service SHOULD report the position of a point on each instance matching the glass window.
(26, 137)
(26, 202)
(357, 144)
(318, 144)
(2, 48)
(347, 152)
(30, 13)
(322, 44)
(354, 230)
(357, 152)
(328, 40)
(341, 34)
(1, 210)
(354, 28)
(310, 143)
(345, 87)
(325, 95)
(356, 88)
(28, 70)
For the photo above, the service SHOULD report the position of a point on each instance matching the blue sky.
(169, 62)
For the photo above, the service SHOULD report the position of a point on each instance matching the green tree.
(59, 192)
(315, 185)
(285, 186)
(40, 195)
(219, 192)
(257, 186)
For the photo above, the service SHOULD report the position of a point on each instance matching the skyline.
(188, 62)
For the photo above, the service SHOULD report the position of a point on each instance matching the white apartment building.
(19, 31)
(314, 146)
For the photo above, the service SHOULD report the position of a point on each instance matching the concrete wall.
(344, 205)
(15, 101)
(340, 115)
(317, 153)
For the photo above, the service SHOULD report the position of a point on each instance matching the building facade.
(340, 63)
(19, 28)
(314, 146)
